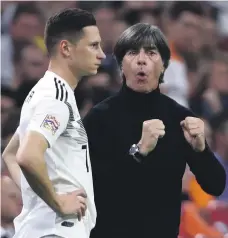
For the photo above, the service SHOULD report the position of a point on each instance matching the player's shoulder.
(102, 110)
(174, 107)
(106, 105)
(51, 87)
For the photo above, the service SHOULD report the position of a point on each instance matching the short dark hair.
(25, 8)
(66, 24)
(177, 8)
(142, 35)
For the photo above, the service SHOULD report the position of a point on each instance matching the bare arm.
(30, 158)
(9, 157)
(47, 123)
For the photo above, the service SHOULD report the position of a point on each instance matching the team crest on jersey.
(50, 123)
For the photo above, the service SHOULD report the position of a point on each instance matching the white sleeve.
(17, 130)
(50, 119)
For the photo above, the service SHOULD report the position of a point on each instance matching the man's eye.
(95, 45)
(132, 52)
(151, 52)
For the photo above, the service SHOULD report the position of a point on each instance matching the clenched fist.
(194, 132)
(152, 130)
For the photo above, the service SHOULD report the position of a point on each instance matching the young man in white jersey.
(50, 143)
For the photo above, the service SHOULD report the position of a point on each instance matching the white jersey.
(50, 109)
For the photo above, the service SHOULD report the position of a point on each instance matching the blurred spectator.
(146, 12)
(211, 92)
(30, 64)
(223, 16)
(10, 126)
(105, 17)
(49, 8)
(184, 28)
(215, 97)
(11, 206)
(7, 103)
(25, 25)
(118, 27)
(7, 13)
(140, 4)
(210, 30)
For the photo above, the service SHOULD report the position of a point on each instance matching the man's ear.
(65, 48)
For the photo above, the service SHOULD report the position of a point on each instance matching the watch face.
(133, 149)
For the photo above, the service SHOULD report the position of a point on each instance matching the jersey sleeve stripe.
(57, 89)
(66, 95)
(62, 93)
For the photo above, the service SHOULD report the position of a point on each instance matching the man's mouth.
(141, 73)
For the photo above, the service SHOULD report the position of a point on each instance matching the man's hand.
(151, 132)
(193, 129)
(73, 203)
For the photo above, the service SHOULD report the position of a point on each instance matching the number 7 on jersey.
(84, 147)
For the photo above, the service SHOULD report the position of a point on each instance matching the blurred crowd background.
(197, 78)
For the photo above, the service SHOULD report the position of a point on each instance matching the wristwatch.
(134, 151)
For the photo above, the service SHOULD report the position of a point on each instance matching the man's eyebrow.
(95, 42)
(147, 48)
(153, 47)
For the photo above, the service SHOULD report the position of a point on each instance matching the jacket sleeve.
(208, 171)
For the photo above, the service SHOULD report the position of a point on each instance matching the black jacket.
(143, 200)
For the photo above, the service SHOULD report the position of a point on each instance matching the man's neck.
(64, 72)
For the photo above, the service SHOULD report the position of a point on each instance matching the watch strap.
(134, 152)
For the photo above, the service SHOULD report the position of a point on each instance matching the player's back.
(50, 109)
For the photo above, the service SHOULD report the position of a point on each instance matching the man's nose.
(141, 59)
(101, 55)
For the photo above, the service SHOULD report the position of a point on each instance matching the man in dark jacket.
(140, 141)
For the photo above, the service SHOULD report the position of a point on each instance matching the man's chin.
(91, 72)
(142, 89)
(94, 72)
